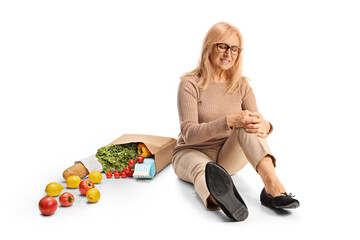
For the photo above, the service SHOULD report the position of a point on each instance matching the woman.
(222, 130)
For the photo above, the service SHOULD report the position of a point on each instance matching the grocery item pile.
(48, 205)
(131, 155)
(117, 159)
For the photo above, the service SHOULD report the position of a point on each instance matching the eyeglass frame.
(228, 47)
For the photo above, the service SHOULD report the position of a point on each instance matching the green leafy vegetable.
(116, 156)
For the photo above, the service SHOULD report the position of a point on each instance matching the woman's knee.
(244, 134)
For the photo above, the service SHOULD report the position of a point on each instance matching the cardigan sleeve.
(249, 101)
(192, 131)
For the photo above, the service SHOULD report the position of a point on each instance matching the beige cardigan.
(203, 113)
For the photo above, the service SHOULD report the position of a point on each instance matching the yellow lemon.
(53, 189)
(95, 177)
(73, 181)
(93, 195)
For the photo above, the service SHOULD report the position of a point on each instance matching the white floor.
(167, 207)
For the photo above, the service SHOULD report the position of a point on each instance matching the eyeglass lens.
(224, 47)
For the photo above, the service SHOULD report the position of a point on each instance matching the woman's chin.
(225, 68)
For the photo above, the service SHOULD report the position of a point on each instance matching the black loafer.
(286, 201)
(222, 189)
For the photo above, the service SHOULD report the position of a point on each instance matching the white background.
(76, 75)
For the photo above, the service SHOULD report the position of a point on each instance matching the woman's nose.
(226, 54)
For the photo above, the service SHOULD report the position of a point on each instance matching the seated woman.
(222, 129)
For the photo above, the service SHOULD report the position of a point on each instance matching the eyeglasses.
(223, 47)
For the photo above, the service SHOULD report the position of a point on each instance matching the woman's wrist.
(229, 121)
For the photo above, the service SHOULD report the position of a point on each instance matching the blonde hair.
(220, 32)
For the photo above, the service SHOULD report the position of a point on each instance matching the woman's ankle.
(274, 187)
(212, 204)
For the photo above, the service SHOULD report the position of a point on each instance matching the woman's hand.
(262, 128)
(252, 122)
(242, 119)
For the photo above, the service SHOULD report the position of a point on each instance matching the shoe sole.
(221, 188)
(289, 206)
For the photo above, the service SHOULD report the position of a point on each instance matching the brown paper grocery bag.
(160, 147)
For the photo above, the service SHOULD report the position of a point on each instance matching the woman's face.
(223, 61)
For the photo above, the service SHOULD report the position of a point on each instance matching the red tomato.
(117, 174)
(66, 199)
(130, 174)
(132, 162)
(140, 159)
(123, 174)
(117, 170)
(109, 174)
(48, 205)
(84, 186)
(127, 170)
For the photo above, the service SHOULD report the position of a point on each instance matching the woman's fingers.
(252, 130)
(255, 128)
(252, 126)
(257, 131)
(252, 120)
(262, 135)
(254, 114)
(247, 117)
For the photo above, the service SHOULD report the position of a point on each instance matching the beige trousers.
(239, 149)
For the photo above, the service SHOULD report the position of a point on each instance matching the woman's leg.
(242, 147)
(189, 165)
(266, 170)
(232, 156)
